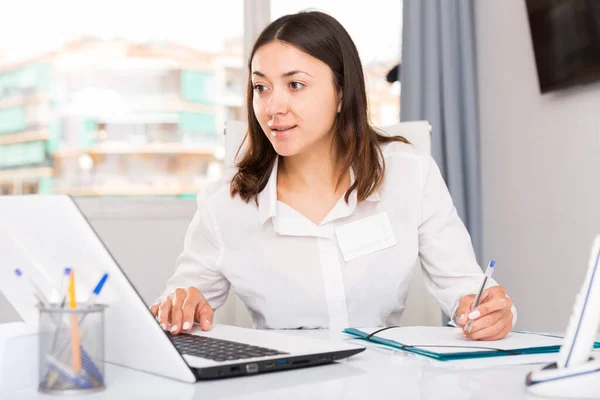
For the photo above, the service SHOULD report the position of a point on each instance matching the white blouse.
(353, 269)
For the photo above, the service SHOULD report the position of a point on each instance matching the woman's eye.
(260, 88)
(296, 85)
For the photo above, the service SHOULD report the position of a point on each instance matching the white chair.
(421, 307)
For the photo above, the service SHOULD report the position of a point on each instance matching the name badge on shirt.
(365, 236)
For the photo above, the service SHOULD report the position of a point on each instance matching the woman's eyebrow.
(284, 75)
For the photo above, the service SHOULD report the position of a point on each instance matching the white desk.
(372, 374)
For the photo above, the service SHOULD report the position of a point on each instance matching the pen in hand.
(488, 274)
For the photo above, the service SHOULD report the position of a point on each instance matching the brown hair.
(323, 37)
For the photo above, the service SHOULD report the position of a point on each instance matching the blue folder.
(480, 346)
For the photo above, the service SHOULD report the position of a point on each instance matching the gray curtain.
(438, 78)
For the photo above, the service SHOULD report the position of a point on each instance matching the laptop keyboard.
(218, 349)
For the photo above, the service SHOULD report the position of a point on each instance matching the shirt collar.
(267, 198)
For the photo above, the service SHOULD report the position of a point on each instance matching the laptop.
(43, 234)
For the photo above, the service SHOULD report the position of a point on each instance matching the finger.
(492, 292)
(489, 306)
(487, 320)
(506, 330)
(464, 308)
(496, 331)
(204, 314)
(164, 313)
(154, 309)
(189, 308)
(176, 312)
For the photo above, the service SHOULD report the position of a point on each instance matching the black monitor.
(566, 41)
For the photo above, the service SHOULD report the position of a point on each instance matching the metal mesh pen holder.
(71, 349)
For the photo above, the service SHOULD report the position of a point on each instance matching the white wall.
(540, 170)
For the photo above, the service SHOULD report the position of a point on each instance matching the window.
(120, 98)
(116, 98)
(377, 32)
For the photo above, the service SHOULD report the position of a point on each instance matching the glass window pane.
(198, 86)
(117, 97)
(12, 119)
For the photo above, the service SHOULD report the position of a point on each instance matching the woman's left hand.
(492, 319)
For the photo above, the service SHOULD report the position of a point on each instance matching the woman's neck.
(318, 169)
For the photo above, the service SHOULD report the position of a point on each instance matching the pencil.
(75, 347)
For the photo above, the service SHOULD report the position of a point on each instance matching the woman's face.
(294, 100)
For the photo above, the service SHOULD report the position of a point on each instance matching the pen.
(94, 296)
(37, 292)
(488, 274)
(91, 301)
(86, 361)
(64, 286)
(93, 372)
(67, 374)
(96, 292)
(64, 291)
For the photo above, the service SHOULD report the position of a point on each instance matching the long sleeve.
(449, 264)
(198, 264)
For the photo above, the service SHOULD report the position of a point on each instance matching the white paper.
(488, 362)
(421, 336)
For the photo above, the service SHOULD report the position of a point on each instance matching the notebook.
(448, 344)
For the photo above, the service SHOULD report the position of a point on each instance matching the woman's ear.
(339, 104)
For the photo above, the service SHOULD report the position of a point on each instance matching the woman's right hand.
(180, 309)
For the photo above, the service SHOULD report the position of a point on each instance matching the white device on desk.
(43, 234)
(18, 356)
(576, 374)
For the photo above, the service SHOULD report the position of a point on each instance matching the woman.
(324, 219)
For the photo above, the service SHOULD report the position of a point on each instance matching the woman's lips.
(281, 132)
